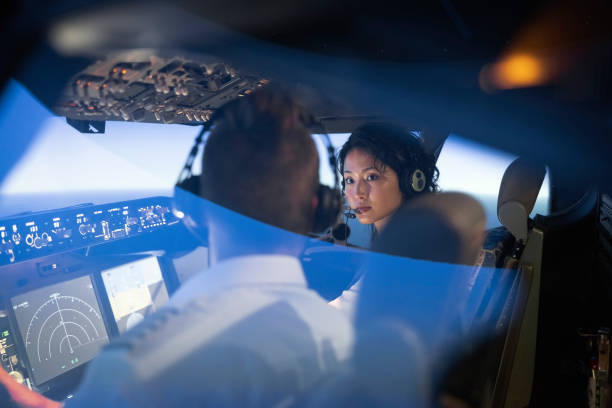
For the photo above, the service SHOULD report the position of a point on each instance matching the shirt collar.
(254, 270)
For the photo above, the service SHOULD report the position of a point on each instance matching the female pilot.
(382, 166)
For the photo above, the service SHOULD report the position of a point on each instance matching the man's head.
(261, 161)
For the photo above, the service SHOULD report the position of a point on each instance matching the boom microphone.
(351, 212)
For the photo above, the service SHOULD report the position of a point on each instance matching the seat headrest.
(517, 195)
(445, 227)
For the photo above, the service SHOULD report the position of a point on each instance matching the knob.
(10, 254)
(17, 376)
(85, 228)
(39, 242)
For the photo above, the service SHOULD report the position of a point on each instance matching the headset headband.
(309, 122)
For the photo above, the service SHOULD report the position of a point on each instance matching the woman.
(382, 166)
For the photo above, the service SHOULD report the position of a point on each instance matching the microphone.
(351, 212)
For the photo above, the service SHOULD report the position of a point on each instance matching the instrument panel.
(134, 290)
(61, 327)
(33, 235)
(10, 359)
(143, 87)
(62, 301)
(52, 327)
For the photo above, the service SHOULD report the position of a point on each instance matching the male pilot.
(247, 331)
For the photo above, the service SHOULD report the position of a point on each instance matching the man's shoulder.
(247, 316)
(281, 334)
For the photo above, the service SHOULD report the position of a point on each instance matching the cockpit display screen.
(135, 290)
(61, 327)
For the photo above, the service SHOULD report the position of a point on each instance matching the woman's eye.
(348, 180)
(372, 177)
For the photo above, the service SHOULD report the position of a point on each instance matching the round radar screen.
(61, 327)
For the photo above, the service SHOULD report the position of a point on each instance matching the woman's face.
(374, 193)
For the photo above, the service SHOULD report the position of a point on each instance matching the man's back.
(246, 332)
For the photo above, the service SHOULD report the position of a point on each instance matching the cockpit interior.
(101, 104)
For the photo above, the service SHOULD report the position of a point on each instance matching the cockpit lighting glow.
(514, 71)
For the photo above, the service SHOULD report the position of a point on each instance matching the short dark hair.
(394, 146)
(261, 161)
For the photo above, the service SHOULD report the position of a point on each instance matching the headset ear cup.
(418, 181)
(188, 206)
(190, 184)
(328, 210)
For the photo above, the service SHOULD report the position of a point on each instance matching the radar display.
(61, 327)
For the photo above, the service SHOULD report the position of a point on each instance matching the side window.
(477, 170)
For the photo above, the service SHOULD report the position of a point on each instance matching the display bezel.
(21, 346)
(104, 289)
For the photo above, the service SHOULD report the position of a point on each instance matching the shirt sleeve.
(219, 375)
(109, 382)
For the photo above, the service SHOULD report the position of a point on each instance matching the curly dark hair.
(394, 146)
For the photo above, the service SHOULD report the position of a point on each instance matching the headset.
(412, 173)
(329, 198)
(412, 179)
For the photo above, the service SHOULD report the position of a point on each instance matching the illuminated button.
(86, 228)
(39, 242)
(17, 376)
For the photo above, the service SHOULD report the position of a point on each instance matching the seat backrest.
(517, 320)
(518, 192)
(499, 298)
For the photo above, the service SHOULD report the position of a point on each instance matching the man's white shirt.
(246, 332)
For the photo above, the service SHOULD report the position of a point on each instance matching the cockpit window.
(130, 160)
